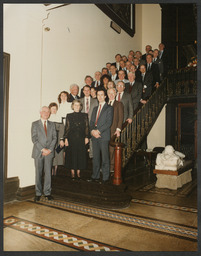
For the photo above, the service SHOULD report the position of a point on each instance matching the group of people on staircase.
(85, 123)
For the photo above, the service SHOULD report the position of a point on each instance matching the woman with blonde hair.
(76, 136)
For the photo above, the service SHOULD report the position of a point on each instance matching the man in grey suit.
(126, 99)
(101, 121)
(88, 105)
(44, 138)
(134, 88)
(121, 75)
(88, 102)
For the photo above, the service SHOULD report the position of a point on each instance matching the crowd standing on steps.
(83, 121)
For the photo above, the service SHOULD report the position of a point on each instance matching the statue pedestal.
(174, 179)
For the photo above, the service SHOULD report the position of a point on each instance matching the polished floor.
(156, 220)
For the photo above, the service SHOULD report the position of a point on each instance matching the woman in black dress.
(76, 135)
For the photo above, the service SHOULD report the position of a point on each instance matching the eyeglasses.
(120, 85)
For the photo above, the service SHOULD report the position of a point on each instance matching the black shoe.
(105, 182)
(72, 178)
(49, 197)
(37, 198)
(93, 180)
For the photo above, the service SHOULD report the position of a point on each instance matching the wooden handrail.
(178, 83)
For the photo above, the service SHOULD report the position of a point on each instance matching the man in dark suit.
(138, 55)
(117, 58)
(147, 49)
(74, 89)
(96, 82)
(88, 81)
(113, 73)
(147, 82)
(134, 88)
(126, 99)
(122, 65)
(122, 77)
(153, 68)
(101, 121)
(137, 70)
(117, 121)
(130, 58)
(88, 102)
(88, 105)
(163, 55)
(159, 62)
(44, 138)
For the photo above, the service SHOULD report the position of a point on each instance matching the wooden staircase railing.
(179, 83)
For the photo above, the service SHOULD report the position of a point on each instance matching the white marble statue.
(169, 159)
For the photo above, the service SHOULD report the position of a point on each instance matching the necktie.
(142, 77)
(160, 55)
(45, 128)
(110, 103)
(130, 88)
(148, 67)
(87, 106)
(119, 97)
(98, 115)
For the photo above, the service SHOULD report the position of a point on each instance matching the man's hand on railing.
(117, 133)
(157, 85)
(129, 120)
(143, 101)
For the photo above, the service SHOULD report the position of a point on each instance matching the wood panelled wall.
(179, 28)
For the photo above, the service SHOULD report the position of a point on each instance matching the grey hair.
(43, 107)
(76, 101)
(114, 89)
(131, 73)
(97, 72)
(121, 82)
(72, 85)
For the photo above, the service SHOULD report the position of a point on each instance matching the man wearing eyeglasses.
(126, 99)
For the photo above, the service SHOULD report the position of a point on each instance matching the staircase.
(179, 83)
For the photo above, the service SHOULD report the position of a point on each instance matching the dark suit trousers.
(44, 162)
(100, 152)
(112, 152)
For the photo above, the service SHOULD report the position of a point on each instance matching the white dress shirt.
(120, 95)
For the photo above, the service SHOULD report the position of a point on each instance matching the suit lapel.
(42, 127)
(48, 128)
(115, 103)
(102, 111)
(83, 103)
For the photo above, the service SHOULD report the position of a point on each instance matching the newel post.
(117, 179)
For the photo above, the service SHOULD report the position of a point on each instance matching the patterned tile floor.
(154, 225)
(168, 206)
(58, 236)
(182, 192)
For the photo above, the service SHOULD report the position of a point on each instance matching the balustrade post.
(117, 179)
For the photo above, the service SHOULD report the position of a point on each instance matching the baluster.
(128, 141)
(138, 127)
(134, 133)
(146, 120)
(142, 122)
(123, 151)
(150, 114)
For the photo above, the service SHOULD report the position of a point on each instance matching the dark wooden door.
(186, 129)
